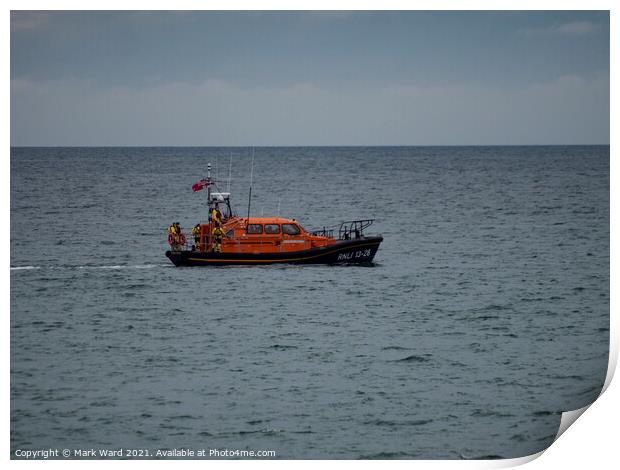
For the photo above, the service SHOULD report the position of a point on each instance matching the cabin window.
(272, 228)
(291, 229)
(255, 228)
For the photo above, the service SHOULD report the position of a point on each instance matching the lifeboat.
(266, 240)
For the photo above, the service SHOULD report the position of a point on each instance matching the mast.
(209, 185)
(229, 172)
(250, 194)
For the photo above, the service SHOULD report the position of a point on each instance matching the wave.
(480, 456)
(414, 358)
(124, 266)
(112, 266)
(282, 347)
(413, 422)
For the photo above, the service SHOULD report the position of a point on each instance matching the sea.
(484, 316)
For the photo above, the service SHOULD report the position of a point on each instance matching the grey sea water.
(484, 317)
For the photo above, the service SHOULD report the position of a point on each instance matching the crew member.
(180, 238)
(218, 234)
(216, 215)
(196, 234)
(172, 235)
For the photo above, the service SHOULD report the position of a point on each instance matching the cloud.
(27, 20)
(572, 28)
(577, 28)
(568, 110)
(328, 15)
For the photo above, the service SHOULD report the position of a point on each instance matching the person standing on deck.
(179, 237)
(216, 215)
(172, 235)
(218, 234)
(196, 234)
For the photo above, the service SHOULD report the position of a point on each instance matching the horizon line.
(319, 146)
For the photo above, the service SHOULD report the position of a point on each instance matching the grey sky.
(309, 78)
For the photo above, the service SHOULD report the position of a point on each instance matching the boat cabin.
(261, 235)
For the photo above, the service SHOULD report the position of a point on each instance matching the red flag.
(200, 185)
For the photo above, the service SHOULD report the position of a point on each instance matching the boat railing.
(352, 229)
(187, 245)
(323, 232)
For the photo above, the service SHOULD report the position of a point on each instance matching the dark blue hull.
(358, 251)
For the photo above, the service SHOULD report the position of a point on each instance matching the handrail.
(353, 228)
(323, 232)
(347, 230)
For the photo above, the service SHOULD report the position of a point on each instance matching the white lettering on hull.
(361, 254)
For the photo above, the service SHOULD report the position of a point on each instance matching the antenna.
(208, 185)
(279, 207)
(250, 194)
(229, 172)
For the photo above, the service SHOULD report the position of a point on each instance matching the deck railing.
(352, 229)
(323, 232)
